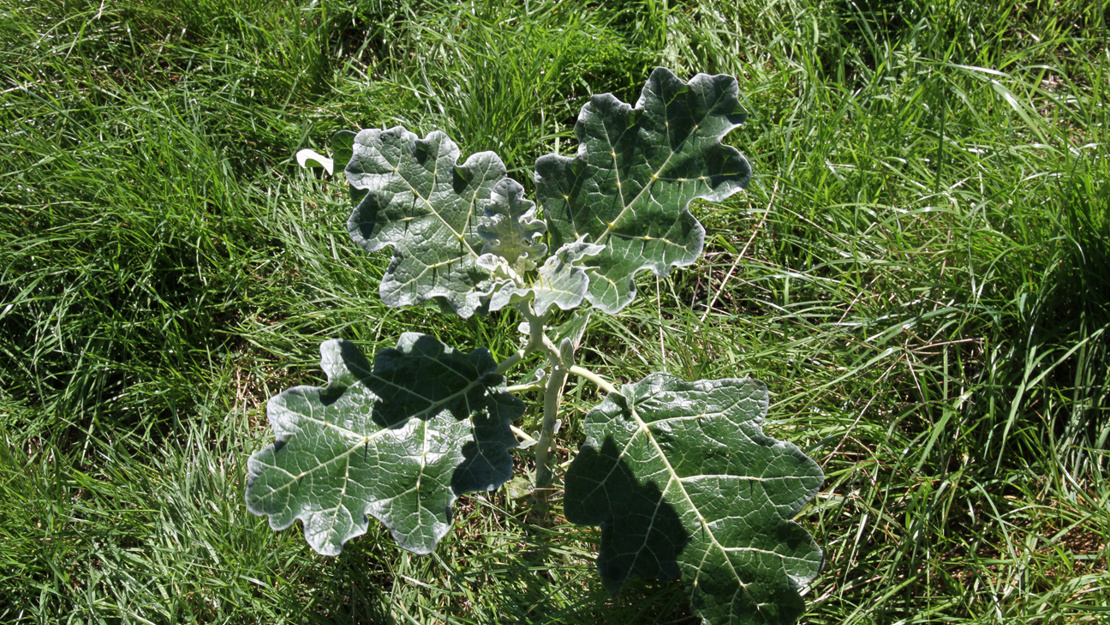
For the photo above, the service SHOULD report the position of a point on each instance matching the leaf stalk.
(593, 377)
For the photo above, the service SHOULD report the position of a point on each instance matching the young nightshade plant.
(679, 475)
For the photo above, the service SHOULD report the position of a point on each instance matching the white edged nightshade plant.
(679, 475)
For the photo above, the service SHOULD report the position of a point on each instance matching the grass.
(917, 272)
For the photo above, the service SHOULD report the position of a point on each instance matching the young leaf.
(561, 281)
(343, 147)
(636, 171)
(510, 228)
(684, 483)
(399, 440)
(411, 193)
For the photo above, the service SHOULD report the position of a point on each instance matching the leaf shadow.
(641, 534)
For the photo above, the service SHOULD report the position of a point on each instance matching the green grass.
(918, 272)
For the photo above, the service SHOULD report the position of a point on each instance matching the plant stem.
(592, 377)
(521, 434)
(524, 388)
(552, 397)
(512, 361)
(560, 363)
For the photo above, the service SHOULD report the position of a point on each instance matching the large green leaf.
(635, 174)
(399, 440)
(412, 194)
(684, 483)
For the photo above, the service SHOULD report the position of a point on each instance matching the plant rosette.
(679, 475)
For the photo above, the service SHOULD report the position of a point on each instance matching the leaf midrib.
(435, 180)
(610, 226)
(365, 439)
(676, 479)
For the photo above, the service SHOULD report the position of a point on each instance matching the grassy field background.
(920, 272)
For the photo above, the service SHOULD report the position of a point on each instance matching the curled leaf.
(311, 159)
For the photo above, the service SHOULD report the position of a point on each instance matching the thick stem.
(552, 397)
(560, 363)
(538, 341)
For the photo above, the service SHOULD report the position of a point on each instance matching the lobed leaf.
(636, 171)
(412, 194)
(399, 440)
(510, 228)
(684, 483)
